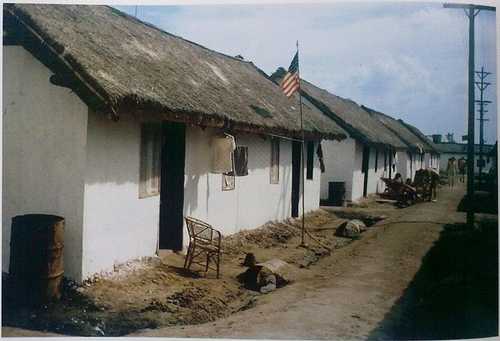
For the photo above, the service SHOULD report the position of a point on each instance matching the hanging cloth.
(222, 154)
(319, 153)
(241, 161)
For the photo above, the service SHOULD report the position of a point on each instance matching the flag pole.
(302, 242)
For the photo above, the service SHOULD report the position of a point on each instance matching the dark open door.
(296, 155)
(172, 186)
(364, 168)
(390, 164)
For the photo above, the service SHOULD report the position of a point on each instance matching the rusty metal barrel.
(36, 256)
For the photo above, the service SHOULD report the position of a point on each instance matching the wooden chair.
(205, 241)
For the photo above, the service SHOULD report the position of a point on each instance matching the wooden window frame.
(274, 170)
(228, 182)
(150, 159)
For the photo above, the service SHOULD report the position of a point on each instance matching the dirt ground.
(384, 285)
(158, 292)
(410, 277)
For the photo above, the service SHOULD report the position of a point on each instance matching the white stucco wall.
(339, 157)
(312, 187)
(44, 136)
(343, 161)
(403, 165)
(118, 225)
(375, 184)
(428, 160)
(358, 177)
(254, 201)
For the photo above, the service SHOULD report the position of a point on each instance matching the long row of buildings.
(123, 129)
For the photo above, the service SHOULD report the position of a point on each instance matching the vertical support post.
(302, 163)
(470, 138)
(302, 241)
(470, 10)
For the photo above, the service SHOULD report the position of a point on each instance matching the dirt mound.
(156, 291)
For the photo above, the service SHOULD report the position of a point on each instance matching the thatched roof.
(398, 127)
(349, 115)
(117, 63)
(430, 145)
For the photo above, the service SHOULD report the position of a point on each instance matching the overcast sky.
(408, 60)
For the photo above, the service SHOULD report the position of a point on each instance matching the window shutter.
(150, 160)
(275, 161)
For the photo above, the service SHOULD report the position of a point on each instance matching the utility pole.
(482, 85)
(471, 11)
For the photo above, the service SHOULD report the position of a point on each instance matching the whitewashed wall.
(44, 136)
(357, 176)
(403, 164)
(375, 184)
(254, 201)
(339, 164)
(429, 160)
(118, 225)
(344, 162)
(312, 187)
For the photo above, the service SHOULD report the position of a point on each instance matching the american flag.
(290, 83)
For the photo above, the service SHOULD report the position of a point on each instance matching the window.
(385, 160)
(239, 159)
(150, 160)
(228, 182)
(376, 159)
(275, 161)
(310, 159)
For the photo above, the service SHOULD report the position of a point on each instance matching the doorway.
(296, 172)
(172, 185)
(364, 168)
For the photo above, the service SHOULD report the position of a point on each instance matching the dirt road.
(419, 274)
(354, 291)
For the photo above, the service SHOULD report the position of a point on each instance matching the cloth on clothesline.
(241, 161)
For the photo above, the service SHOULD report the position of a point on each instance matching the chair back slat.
(199, 230)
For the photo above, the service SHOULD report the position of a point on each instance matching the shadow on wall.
(454, 295)
(284, 204)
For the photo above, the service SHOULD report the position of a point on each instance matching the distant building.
(459, 150)
(378, 146)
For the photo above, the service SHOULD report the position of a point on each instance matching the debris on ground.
(263, 277)
(154, 292)
(351, 229)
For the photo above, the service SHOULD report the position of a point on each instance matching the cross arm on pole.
(469, 6)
